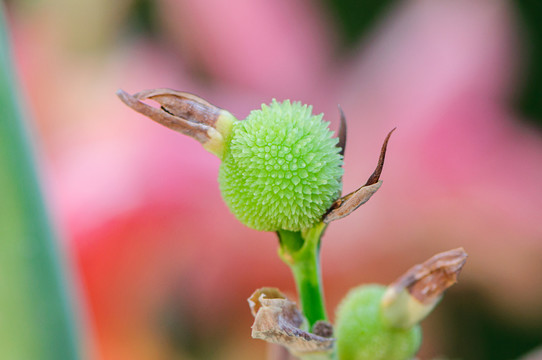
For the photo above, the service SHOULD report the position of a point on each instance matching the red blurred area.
(165, 268)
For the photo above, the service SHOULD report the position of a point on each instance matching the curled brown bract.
(427, 282)
(185, 113)
(409, 299)
(184, 105)
(166, 115)
(278, 320)
(347, 204)
(375, 176)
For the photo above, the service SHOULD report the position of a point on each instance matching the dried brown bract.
(412, 297)
(278, 320)
(185, 113)
(347, 204)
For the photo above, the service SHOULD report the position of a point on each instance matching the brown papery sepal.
(347, 204)
(278, 320)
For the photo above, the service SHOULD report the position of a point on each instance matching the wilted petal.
(279, 321)
(184, 105)
(412, 297)
(185, 113)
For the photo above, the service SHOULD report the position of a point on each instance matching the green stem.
(300, 251)
(37, 320)
(308, 280)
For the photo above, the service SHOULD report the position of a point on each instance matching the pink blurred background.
(164, 269)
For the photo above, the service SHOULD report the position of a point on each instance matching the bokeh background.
(161, 268)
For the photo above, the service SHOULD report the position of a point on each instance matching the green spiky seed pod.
(281, 168)
(363, 334)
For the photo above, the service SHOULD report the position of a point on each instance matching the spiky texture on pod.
(281, 169)
(362, 333)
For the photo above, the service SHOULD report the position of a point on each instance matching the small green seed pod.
(281, 168)
(363, 334)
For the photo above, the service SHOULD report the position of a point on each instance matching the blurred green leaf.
(143, 18)
(356, 17)
(529, 99)
(476, 330)
(35, 321)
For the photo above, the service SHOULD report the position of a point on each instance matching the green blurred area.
(143, 17)
(477, 331)
(354, 18)
(36, 319)
(529, 96)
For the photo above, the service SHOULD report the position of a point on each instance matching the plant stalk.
(300, 250)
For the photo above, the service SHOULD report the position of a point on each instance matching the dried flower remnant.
(347, 204)
(278, 320)
(412, 297)
(185, 113)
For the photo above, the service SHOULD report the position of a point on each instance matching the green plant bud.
(363, 334)
(281, 168)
